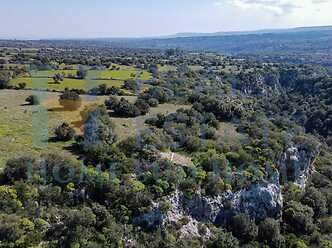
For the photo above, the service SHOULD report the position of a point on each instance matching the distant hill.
(295, 40)
(262, 31)
(302, 40)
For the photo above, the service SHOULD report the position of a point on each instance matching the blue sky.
(129, 18)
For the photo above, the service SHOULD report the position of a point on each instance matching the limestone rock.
(296, 165)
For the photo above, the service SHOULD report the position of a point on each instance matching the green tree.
(81, 72)
(316, 200)
(64, 132)
(98, 130)
(9, 202)
(223, 239)
(244, 228)
(298, 217)
(269, 232)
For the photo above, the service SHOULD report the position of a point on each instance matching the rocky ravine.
(261, 201)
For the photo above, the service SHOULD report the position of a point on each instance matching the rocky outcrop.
(175, 216)
(296, 164)
(205, 208)
(259, 202)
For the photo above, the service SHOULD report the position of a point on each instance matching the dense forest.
(245, 160)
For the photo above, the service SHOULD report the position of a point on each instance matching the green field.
(17, 131)
(20, 124)
(126, 127)
(121, 74)
(44, 80)
(48, 83)
(167, 68)
(51, 73)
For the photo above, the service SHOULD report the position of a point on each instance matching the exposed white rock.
(296, 165)
(260, 201)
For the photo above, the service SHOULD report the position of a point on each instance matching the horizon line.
(174, 35)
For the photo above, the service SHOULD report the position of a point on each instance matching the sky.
(141, 18)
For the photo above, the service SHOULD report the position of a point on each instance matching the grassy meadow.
(21, 125)
(111, 77)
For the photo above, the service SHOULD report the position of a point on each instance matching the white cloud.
(282, 7)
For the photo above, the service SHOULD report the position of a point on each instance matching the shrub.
(269, 232)
(81, 72)
(124, 108)
(32, 100)
(9, 202)
(316, 200)
(58, 77)
(64, 132)
(98, 130)
(298, 217)
(17, 169)
(207, 132)
(244, 228)
(142, 106)
(111, 103)
(4, 80)
(70, 95)
(211, 161)
(153, 102)
(163, 95)
(22, 85)
(223, 239)
(325, 225)
(70, 100)
(131, 85)
(193, 144)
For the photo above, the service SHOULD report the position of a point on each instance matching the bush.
(298, 217)
(17, 169)
(269, 232)
(193, 144)
(124, 108)
(211, 161)
(70, 95)
(325, 225)
(4, 80)
(223, 239)
(163, 95)
(9, 202)
(98, 130)
(153, 102)
(111, 103)
(208, 132)
(32, 100)
(244, 228)
(22, 85)
(103, 90)
(131, 85)
(147, 140)
(70, 100)
(316, 200)
(142, 106)
(81, 72)
(64, 132)
(58, 77)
